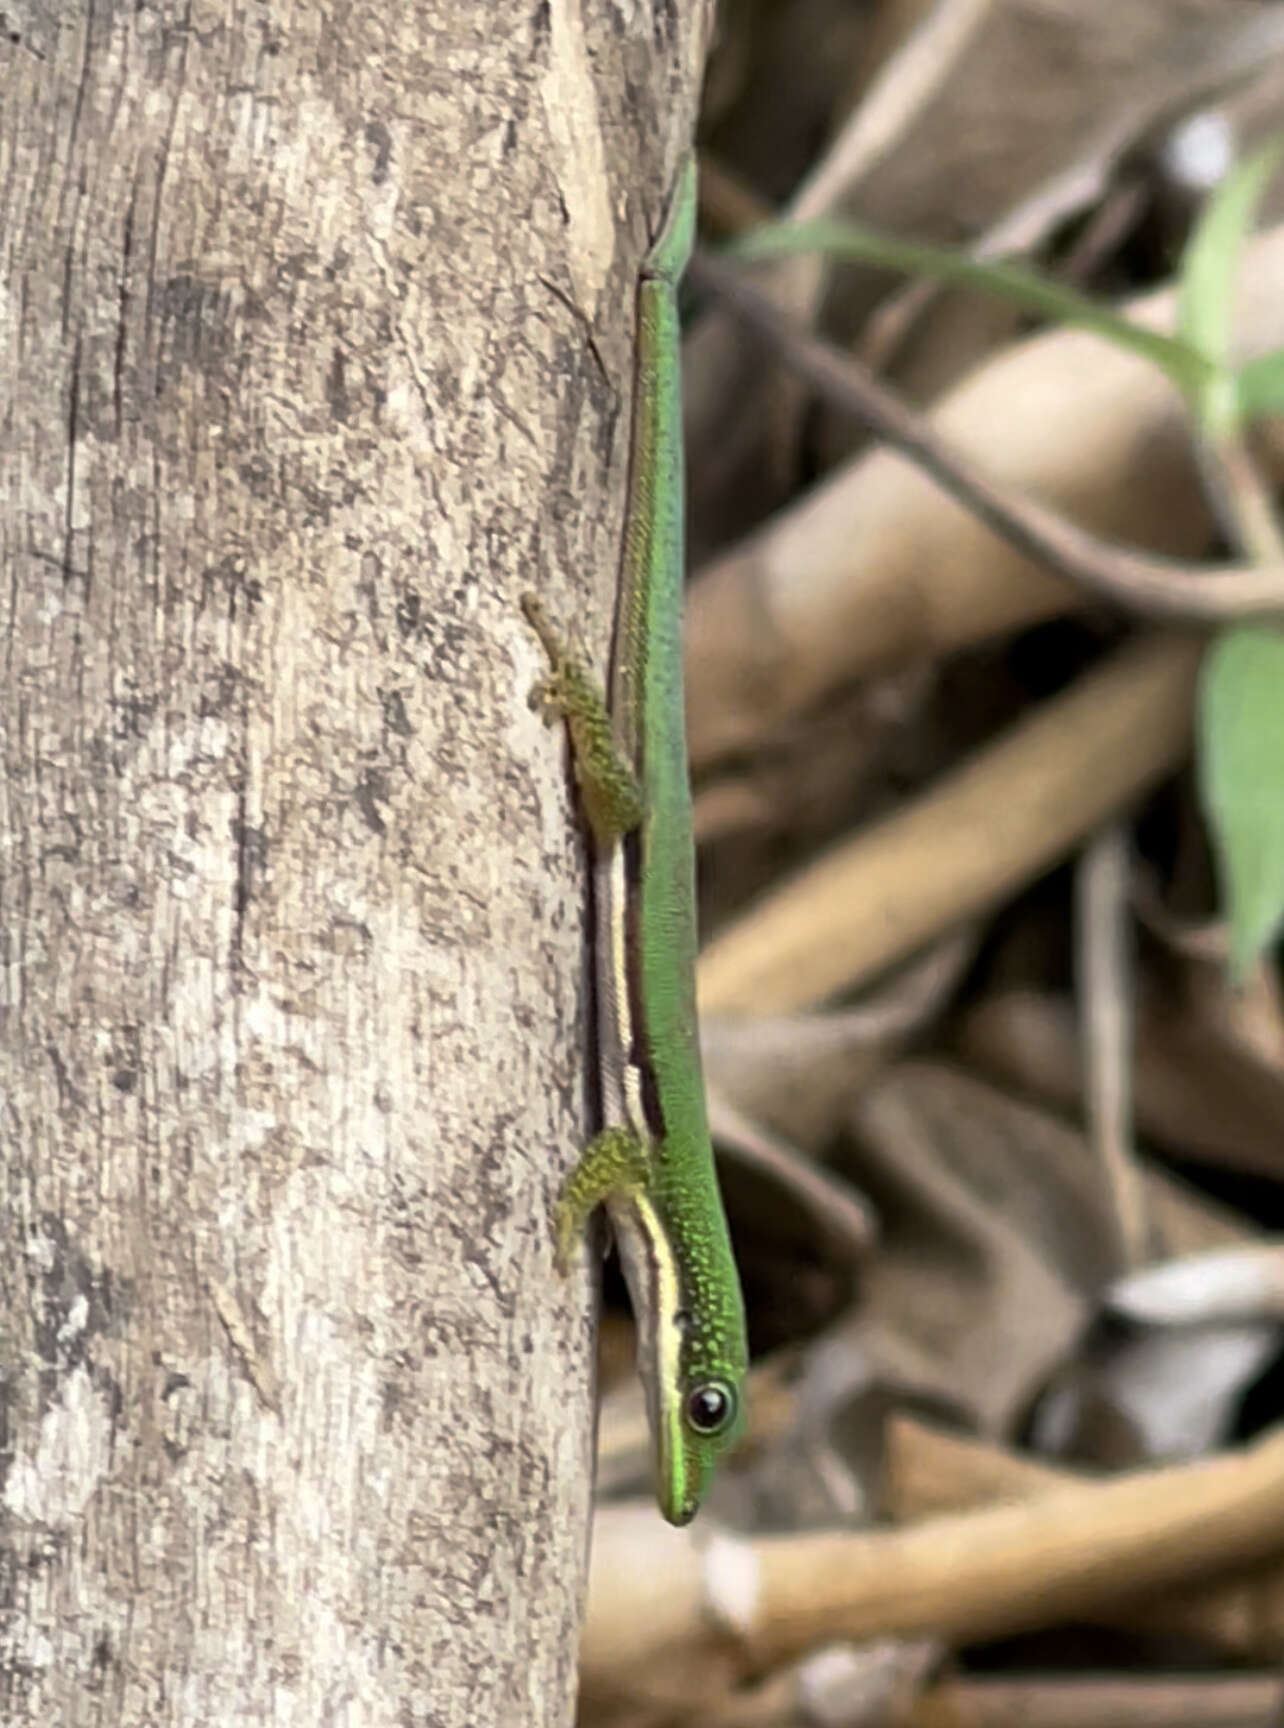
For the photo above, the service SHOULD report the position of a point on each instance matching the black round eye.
(711, 1407)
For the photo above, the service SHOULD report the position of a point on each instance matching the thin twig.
(1241, 498)
(841, 1217)
(1156, 587)
(1088, 180)
(1106, 997)
(903, 89)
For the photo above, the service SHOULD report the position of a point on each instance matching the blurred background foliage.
(985, 714)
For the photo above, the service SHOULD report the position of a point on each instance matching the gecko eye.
(711, 1408)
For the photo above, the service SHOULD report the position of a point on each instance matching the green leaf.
(1241, 774)
(1206, 295)
(853, 243)
(1259, 386)
(1211, 260)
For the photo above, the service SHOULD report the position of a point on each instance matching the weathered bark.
(315, 325)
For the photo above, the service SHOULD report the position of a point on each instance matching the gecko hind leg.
(608, 785)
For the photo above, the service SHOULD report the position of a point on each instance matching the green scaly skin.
(654, 1170)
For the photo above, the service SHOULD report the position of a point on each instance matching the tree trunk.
(316, 328)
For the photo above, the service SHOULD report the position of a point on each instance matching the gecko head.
(692, 1357)
(701, 1420)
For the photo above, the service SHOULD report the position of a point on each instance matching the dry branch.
(929, 1473)
(985, 829)
(1168, 1701)
(657, 1601)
